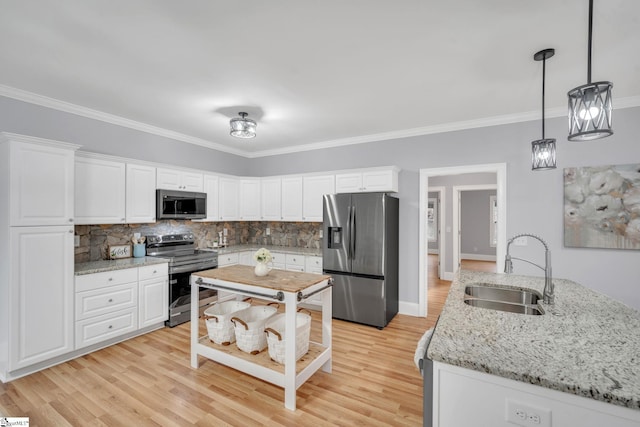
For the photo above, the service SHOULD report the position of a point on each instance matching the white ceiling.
(312, 73)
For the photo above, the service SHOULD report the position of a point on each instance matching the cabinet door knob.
(70, 219)
(110, 299)
(155, 271)
(71, 231)
(110, 326)
(111, 279)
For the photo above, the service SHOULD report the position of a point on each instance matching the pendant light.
(590, 104)
(543, 151)
(241, 127)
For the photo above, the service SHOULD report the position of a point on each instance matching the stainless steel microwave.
(172, 204)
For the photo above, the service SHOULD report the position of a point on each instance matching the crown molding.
(56, 104)
(67, 107)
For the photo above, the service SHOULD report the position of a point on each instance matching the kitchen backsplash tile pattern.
(95, 239)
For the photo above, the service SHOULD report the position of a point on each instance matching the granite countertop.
(115, 264)
(586, 344)
(281, 249)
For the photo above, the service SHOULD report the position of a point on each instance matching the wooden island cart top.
(277, 280)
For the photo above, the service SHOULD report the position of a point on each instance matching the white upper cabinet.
(141, 194)
(100, 191)
(271, 199)
(211, 184)
(314, 188)
(228, 198)
(368, 181)
(40, 180)
(249, 199)
(175, 179)
(291, 198)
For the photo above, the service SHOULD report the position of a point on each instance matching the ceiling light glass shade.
(543, 154)
(590, 111)
(241, 127)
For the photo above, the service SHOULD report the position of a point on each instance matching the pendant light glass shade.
(241, 127)
(590, 111)
(590, 104)
(543, 151)
(543, 154)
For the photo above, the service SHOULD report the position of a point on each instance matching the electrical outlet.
(526, 415)
(320, 234)
(76, 241)
(225, 232)
(520, 241)
(268, 231)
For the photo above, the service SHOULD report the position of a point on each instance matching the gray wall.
(448, 182)
(101, 137)
(475, 215)
(534, 199)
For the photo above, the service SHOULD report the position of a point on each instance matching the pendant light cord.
(590, 37)
(544, 62)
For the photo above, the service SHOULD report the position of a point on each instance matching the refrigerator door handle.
(353, 233)
(348, 232)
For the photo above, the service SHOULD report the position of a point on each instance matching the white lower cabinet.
(294, 262)
(114, 303)
(153, 297)
(225, 261)
(489, 400)
(38, 315)
(279, 260)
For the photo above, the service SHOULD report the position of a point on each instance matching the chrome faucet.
(548, 294)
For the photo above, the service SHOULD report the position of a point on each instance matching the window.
(432, 220)
(493, 221)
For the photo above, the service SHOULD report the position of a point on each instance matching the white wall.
(534, 199)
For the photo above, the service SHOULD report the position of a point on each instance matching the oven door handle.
(192, 268)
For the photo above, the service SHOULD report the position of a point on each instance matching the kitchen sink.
(484, 295)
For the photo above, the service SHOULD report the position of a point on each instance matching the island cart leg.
(290, 300)
(326, 326)
(195, 332)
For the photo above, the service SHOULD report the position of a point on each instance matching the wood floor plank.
(148, 381)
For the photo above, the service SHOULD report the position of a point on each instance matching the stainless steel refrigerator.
(360, 252)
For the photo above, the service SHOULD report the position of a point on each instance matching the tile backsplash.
(96, 239)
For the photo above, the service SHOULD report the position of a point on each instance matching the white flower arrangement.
(262, 255)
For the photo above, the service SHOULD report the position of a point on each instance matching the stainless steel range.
(184, 259)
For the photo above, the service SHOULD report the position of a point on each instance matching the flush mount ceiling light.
(543, 151)
(590, 104)
(241, 127)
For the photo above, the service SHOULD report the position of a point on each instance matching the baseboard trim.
(409, 308)
(478, 257)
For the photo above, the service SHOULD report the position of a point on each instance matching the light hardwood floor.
(148, 381)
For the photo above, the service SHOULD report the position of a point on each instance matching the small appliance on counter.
(184, 259)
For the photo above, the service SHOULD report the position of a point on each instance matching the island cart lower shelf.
(281, 286)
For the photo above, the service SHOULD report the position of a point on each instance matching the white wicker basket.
(249, 328)
(275, 330)
(218, 321)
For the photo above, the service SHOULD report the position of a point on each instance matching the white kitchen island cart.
(286, 287)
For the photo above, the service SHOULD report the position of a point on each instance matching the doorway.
(500, 169)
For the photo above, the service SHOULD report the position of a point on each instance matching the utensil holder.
(138, 250)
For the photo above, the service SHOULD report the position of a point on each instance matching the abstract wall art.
(602, 207)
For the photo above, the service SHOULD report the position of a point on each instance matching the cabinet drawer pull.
(110, 326)
(110, 300)
(110, 279)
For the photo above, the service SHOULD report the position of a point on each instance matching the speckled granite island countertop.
(281, 249)
(586, 344)
(115, 264)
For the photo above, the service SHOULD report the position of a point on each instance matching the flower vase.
(262, 269)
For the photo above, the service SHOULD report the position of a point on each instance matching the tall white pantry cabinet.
(36, 251)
